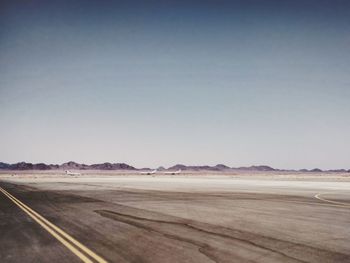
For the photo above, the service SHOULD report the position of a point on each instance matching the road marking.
(318, 196)
(57, 232)
(64, 234)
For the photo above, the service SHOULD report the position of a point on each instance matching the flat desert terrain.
(182, 218)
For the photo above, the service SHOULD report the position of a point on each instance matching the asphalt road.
(173, 220)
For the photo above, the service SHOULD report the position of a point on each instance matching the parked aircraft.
(149, 172)
(72, 173)
(174, 172)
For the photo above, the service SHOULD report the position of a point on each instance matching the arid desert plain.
(118, 217)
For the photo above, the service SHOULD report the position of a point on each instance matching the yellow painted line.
(47, 224)
(318, 196)
(53, 233)
(70, 238)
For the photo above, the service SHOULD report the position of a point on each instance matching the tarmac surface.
(173, 219)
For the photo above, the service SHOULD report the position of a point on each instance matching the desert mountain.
(221, 167)
(259, 168)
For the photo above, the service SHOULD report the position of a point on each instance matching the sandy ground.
(186, 218)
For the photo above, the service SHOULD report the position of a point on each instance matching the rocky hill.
(258, 168)
(4, 165)
(194, 167)
(112, 166)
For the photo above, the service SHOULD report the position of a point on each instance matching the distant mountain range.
(253, 168)
(123, 166)
(65, 166)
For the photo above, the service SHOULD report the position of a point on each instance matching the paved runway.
(173, 219)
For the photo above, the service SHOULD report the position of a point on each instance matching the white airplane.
(72, 173)
(174, 172)
(149, 172)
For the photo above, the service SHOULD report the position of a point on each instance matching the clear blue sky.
(193, 82)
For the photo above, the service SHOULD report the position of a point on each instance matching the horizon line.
(179, 164)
